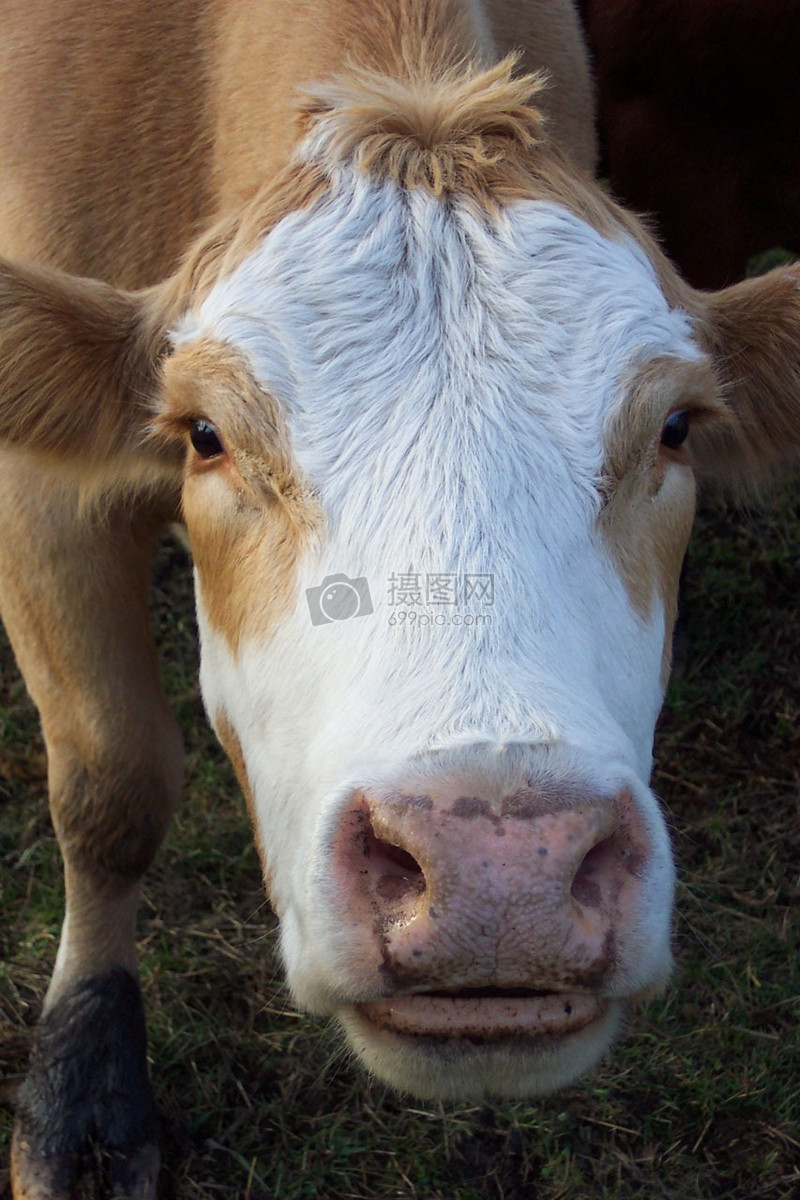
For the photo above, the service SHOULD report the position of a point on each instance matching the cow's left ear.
(79, 366)
(752, 332)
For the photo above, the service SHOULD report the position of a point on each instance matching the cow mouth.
(485, 1014)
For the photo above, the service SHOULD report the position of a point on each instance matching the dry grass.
(700, 1101)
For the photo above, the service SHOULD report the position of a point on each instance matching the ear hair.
(78, 364)
(752, 332)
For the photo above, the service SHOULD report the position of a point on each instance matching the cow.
(331, 282)
(698, 114)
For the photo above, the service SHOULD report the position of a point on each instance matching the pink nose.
(457, 891)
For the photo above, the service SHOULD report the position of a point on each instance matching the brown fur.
(233, 748)
(551, 40)
(752, 332)
(78, 363)
(150, 146)
(458, 132)
(102, 928)
(79, 359)
(77, 615)
(162, 118)
(105, 142)
(248, 515)
(454, 130)
(233, 238)
(211, 380)
(262, 58)
(662, 386)
(645, 528)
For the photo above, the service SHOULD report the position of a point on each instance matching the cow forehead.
(377, 310)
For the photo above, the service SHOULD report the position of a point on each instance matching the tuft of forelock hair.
(453, 130)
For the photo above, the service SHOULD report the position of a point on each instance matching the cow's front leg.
(73, 595)
(86, 1105)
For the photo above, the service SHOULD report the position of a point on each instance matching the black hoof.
(86, 1112)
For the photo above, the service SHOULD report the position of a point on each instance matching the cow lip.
(484, 1015)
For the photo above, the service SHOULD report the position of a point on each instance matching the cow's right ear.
(79, 367)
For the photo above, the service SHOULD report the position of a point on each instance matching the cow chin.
(474, 1049)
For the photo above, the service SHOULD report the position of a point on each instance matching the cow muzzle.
(486, 925)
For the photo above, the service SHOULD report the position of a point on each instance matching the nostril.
(395, 873)
(595, 870)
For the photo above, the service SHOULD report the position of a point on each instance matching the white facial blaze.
(445, 379)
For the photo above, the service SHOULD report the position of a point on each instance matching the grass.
(700, 1101)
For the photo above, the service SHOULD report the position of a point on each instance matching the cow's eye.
(676, 430)
(205, 439)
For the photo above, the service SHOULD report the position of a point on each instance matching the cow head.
(442, 415)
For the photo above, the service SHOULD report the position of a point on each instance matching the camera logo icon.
(338, 598)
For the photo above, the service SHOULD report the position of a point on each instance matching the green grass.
(700, 1100)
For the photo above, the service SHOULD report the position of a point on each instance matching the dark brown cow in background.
(699, 113)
